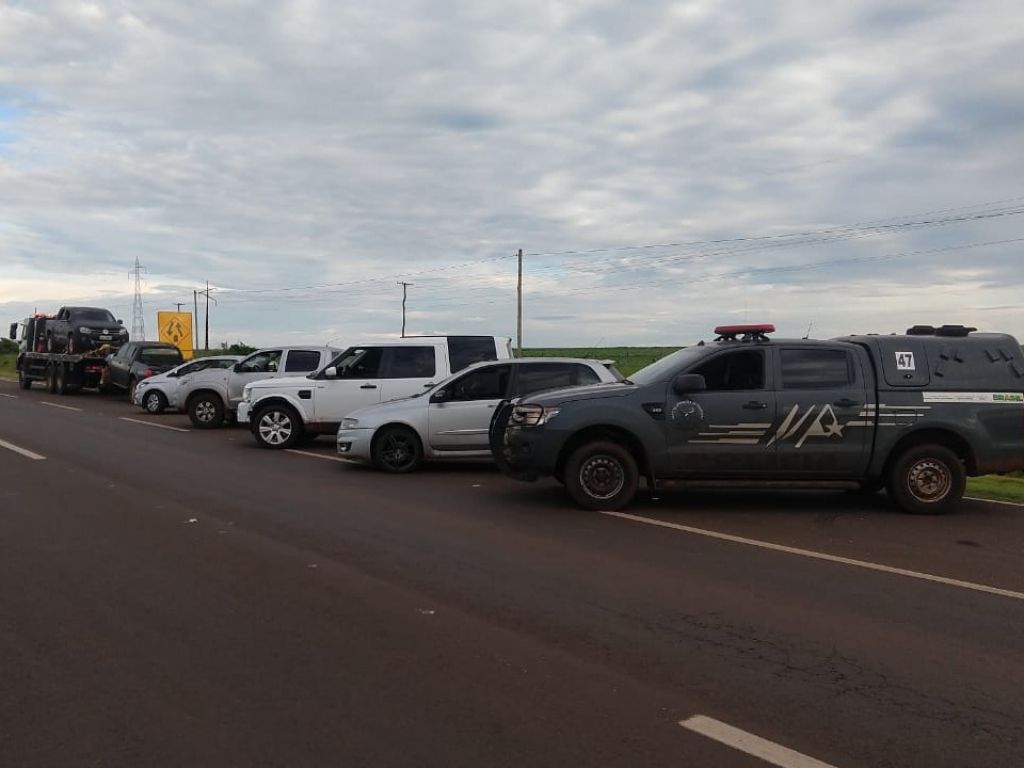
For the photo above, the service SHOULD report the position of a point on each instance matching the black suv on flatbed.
(914, 413)
(77, 329)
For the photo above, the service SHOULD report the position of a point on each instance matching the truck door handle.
(846, 402)
(368, 386)
(755, 405)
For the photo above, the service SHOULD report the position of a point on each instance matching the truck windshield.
(97, 315)
(160, 356)
(660, 369)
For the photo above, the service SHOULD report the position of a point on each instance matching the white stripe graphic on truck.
(991, 398)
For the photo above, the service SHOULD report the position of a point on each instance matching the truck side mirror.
(14, 331)
(331, 372)
(687, 383)
(120, 322)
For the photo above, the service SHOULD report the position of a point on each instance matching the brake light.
(147, 373)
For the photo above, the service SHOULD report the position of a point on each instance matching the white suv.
(282, 411)
(452, 420)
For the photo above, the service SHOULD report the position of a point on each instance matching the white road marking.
(4, 394)
(316, 455)
(151, 424)
(58, 405)
(994, 501)
(769, 751)
(23, 451)
(821, 556)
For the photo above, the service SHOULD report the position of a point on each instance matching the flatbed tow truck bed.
(64, 374)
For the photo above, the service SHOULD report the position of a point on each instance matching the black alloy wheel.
(397, 450)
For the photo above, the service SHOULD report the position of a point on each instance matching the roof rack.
(758, 332)
(957, 331)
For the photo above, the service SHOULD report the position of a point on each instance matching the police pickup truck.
(914, 413)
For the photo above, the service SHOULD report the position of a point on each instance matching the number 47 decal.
(905, 361)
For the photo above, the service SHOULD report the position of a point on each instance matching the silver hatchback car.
(451, 419)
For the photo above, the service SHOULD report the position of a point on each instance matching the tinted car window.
(302, 360)
(97, 315)
(261, 362)
(359, 363)
(487, 384)
(159, 356)
(466, 350)
(410, 363)
(534, 377)
(815, 368)
(586, 375)
(734, 371)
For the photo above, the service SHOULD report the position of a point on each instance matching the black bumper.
(523, 454)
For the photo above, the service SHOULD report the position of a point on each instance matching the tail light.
(147, 373)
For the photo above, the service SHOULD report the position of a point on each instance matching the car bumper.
(244, 412)
(356, 444)
(137, 395)
(526, 454)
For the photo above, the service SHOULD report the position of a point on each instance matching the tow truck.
(61, 373)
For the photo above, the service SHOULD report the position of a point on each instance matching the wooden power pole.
(519, 306)
(405, 293)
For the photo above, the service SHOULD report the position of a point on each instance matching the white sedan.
(452, 419)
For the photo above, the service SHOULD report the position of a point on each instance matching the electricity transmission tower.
(138, 321)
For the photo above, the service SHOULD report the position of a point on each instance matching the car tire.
(602, 476)
(206, 411)
(154, 402)
(24, 381)
(61, 379)
(397, 450)
(70, 345)
(132, 384)
(927, 480)
(50, 346)
(276, 426)
(51, 380)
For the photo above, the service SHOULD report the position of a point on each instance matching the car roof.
(523, 360)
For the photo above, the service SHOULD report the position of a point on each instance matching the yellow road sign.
(176, 328)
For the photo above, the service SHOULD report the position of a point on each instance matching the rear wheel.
(132, 384)
(51, 379)
(61, 379)
(206, 411)
(397, 450)
(276, 426)
(24, 381)
(154, 402)
(71, 346)
(927, 480)
(602, 476)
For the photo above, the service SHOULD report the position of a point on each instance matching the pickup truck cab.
(914, 413)
(138, 360)
(210, 397)
(283, 411)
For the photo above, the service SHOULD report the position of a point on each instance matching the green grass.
(999, 487)
(628, 360)
(7, 364)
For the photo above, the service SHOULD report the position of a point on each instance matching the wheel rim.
(602, 477)
(205, 411)
(398, 451)
(929, 481)
(275, 427)
(152, 402)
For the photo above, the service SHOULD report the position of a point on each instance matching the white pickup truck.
(282, 411)
(210, 397)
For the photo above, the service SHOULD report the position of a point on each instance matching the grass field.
(7, 364)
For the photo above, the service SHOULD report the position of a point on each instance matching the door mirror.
(237, 368)
(120, 322)
(687, 383)
(14, 330)
(331, 372)
(440, 396)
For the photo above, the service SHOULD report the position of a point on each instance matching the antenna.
(138, 321)
(809, 326)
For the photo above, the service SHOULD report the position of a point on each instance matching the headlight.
(83, 329)
(349, 423)
(247, 394)
(531, 415)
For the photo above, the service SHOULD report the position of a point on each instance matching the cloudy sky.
(664, 165)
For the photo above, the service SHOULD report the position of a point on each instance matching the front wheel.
(397, 450)
(276, 426)
(71, 346)
(927, 480)
(154, 402)
(602, 476)
(24, 381)
(206, 411)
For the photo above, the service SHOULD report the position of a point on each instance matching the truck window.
(466, 350)
(302, 360)
(535, 377)
(359, 363)
(740, 370)
(261, 362)
(160, 356)
(816, 368)
(409, 363)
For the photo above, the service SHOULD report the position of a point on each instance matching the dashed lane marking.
(62, 407)
(820, 556)
(4, 394)
(748, 743)
(316, 455)
(23, 451)
(151, 424)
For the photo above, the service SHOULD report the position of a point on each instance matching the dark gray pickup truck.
(914, 413)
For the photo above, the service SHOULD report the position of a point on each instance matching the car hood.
(159, 378)
(389, 409)
(284, 382)
(586, 392)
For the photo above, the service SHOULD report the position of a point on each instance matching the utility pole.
(405, 293)
(519, 306)
(206, 293)
(195, 317)
(179, 305)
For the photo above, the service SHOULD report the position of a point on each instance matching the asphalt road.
(171, 597)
